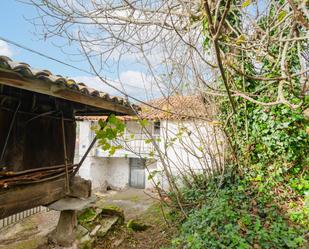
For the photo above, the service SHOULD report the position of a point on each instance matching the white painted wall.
(94, 169)
(118, 172)
(114, 171)
(187, 154)
(84, 137)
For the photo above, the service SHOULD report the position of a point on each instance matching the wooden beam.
(14, 79)
(16, 199)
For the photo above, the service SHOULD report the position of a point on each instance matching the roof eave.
(13, 79)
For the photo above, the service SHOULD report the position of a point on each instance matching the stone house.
(144, 157)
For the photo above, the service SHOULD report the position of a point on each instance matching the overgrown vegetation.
(262, 199)
(252, 65)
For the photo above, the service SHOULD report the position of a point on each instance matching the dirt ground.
(31, 233)
(143, 208)
(132, 201)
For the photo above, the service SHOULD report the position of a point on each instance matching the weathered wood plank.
(17, 199)
(13, 79)
(80, 187)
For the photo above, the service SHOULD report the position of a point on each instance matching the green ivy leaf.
(281, 15)
(246, 3)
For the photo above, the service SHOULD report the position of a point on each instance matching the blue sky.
(16, 27)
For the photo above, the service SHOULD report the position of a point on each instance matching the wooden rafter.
(14, 79)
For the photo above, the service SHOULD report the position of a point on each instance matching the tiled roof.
(175, 107)
(26, 71)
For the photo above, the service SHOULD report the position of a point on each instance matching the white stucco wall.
(94, 169)
(84, 137)
(149, 183)
(118, 172)
(114, 171)
(181, 157)
(189, 153)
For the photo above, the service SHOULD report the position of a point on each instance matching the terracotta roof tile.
(172, 108)
(175, 107)
(26, 70)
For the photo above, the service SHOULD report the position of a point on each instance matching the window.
(92, 133)
(156, 128)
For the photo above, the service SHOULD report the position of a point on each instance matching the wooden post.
(67, 184)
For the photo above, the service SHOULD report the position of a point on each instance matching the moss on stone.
(112, 210)
(136, 226)
(87, 215)
(87, 242)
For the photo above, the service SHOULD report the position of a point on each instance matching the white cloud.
(133, 83)
(91, 81)
(5, 49)
(135, 78)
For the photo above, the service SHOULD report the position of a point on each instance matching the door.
(137, 173)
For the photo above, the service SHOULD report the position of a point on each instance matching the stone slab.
(80, 231)
(71, 203)
(95, 230)
(106, 225)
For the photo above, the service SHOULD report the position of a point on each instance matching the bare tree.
(169, 38)
(191, 47)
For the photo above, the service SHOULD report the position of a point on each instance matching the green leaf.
(281, 15)
(143, 122)
(246, 3)
(151, 153)
(112, 150)
(106, 146)
(240, 39)
(102, 123)
(148, 141)
(112, 119)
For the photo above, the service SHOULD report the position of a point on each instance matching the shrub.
(233, 219)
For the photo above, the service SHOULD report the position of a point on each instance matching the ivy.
(234, 220)
(262, 201)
